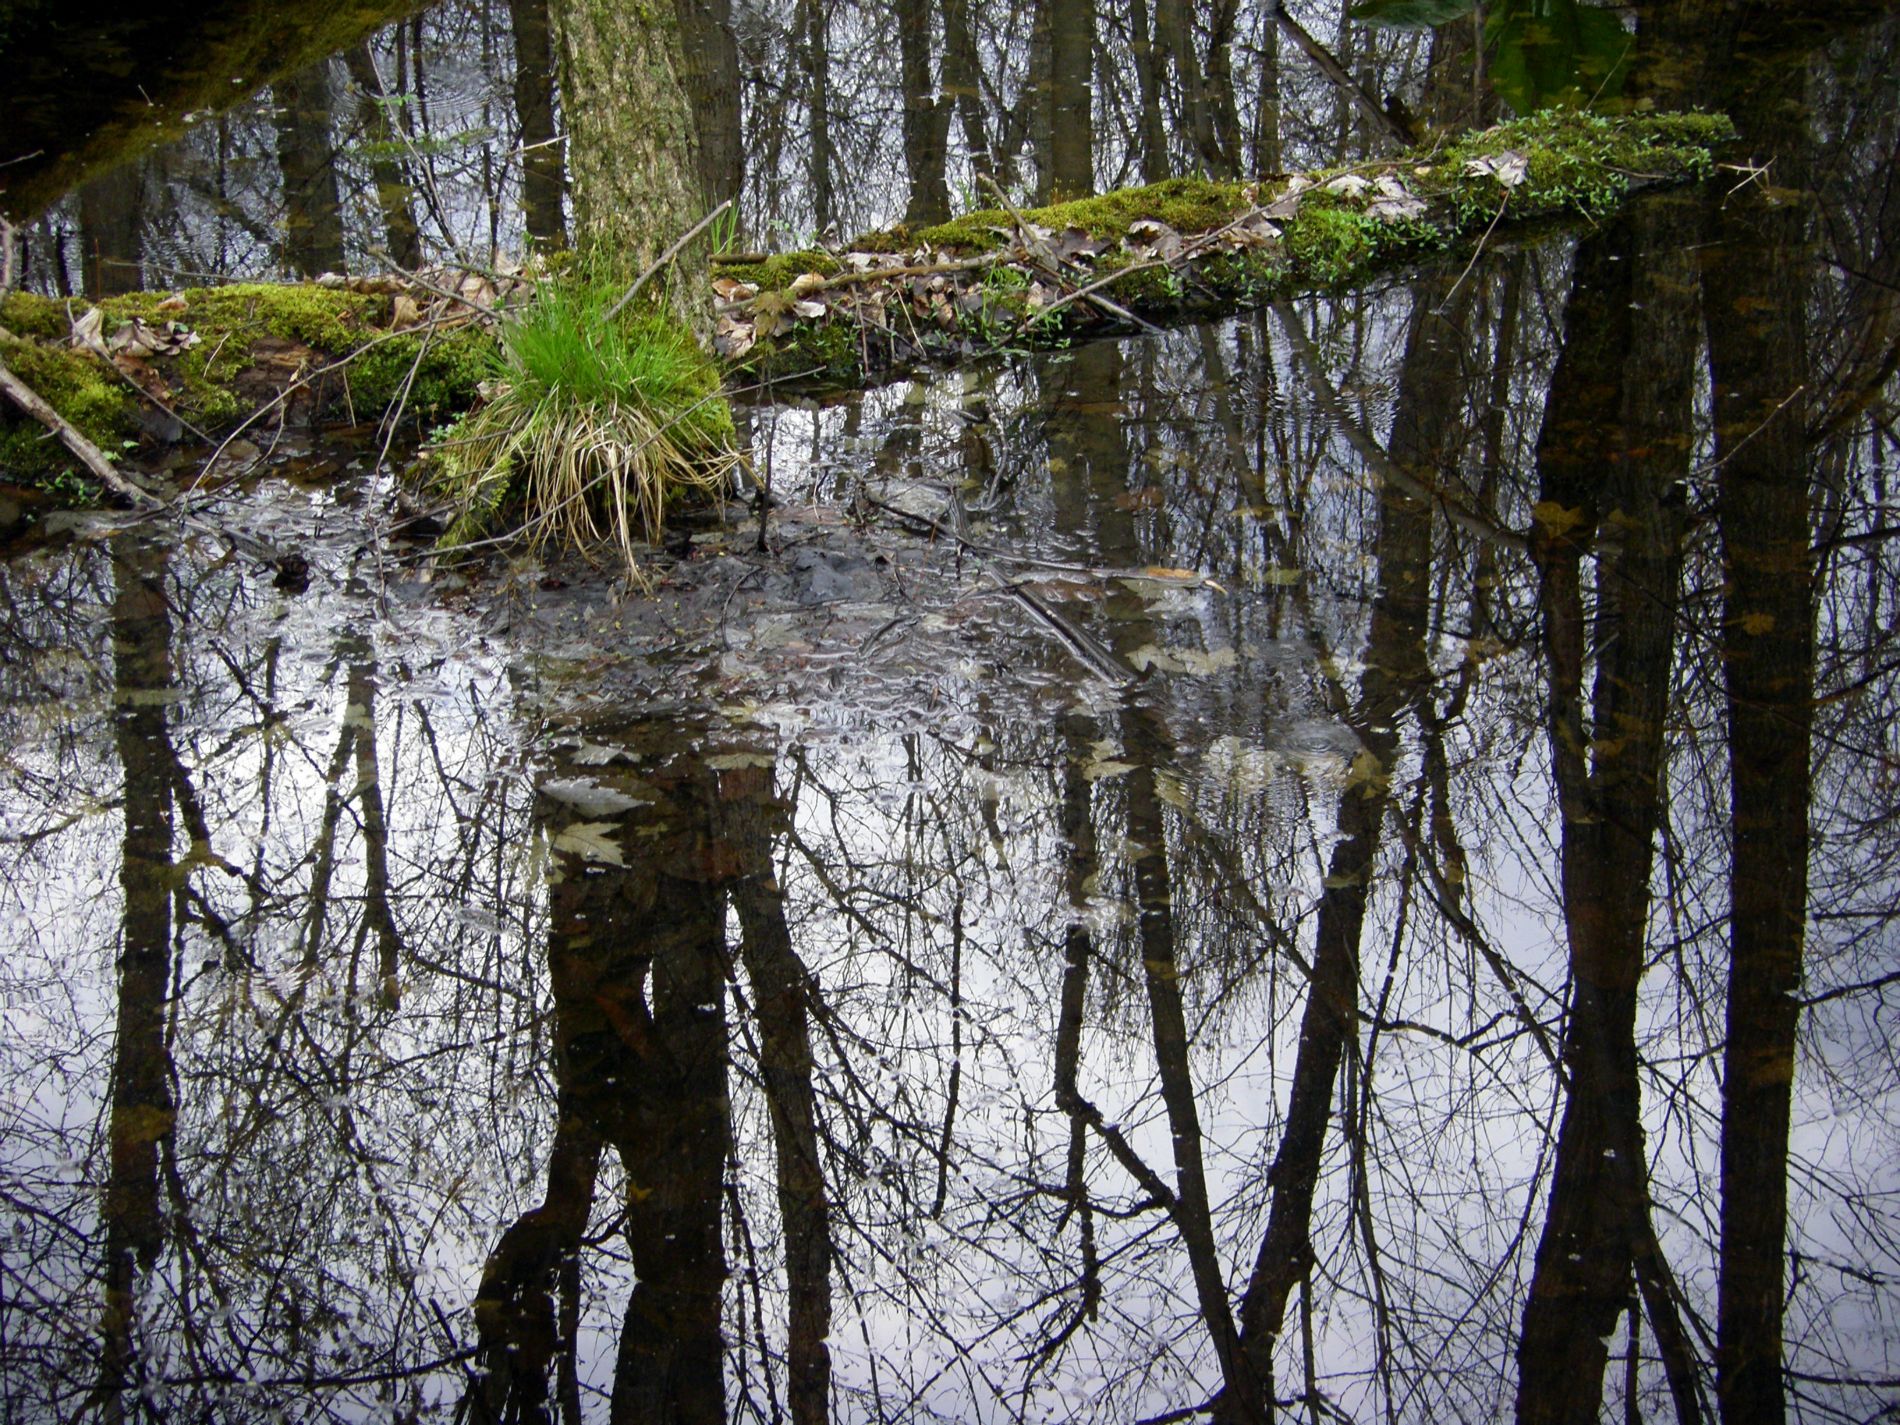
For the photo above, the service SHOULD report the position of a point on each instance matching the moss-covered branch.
(1185, 247)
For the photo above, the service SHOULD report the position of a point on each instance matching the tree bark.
(1071, 167)
(394, 192)
(926, 118)
(633, 145)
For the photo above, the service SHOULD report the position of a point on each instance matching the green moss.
(36, 318)
(781, 269)
(452, 366)
(1582, 164)
(80, 389)
(1188, 205)
(332, 320)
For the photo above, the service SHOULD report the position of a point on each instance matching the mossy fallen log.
(1183, 248)
(140, 371)
(204, 360)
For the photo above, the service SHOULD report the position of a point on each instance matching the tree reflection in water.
(1418, 990)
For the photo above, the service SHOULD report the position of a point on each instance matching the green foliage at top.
(1541, 52)
(594, 426)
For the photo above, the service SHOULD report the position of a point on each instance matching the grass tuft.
(590, 428)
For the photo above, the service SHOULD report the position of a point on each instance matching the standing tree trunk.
(633, 146)
(812, 25)
(393, 189)
(711, 55)
(541, 166)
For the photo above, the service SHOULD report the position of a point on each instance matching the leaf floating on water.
(1757, 624)
(591, 841)
(1169, 788)
(1280, 574)
(590, 798)
(1369, 772)
(1557, 520)
(1102, 769)
(1159, 571)
(734, 761)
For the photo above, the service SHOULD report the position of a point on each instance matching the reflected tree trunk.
(1759, 355)
(142, 1111)
(111, 227)
(1615, 445)
(1071, 167)
(306, 156)
(541, 161)
(780, 986)
(394, 192)
(369, 793)
(926, 118)
(1424, 434)
(637, 964)
(1244, 1389)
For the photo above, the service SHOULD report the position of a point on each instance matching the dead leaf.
(805, 283)
(1556, 520)
(1510, 167)
(591, 841)
(730, 289)
(404, 313)
(1757, 624)
(1393, 202)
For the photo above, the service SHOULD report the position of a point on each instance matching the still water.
(1252, 868)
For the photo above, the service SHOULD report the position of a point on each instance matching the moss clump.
(454, 363)
(80, 389)
(253, 337)
(33, 317)
(781, 269)
(1581, 164)
(1188, 205)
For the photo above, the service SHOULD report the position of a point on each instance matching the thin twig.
(659, 262)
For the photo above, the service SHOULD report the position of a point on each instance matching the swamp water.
(1101, 881)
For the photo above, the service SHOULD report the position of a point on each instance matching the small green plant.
(591, 428)
(69, 489)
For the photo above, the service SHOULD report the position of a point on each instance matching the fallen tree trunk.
(1184, 248)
